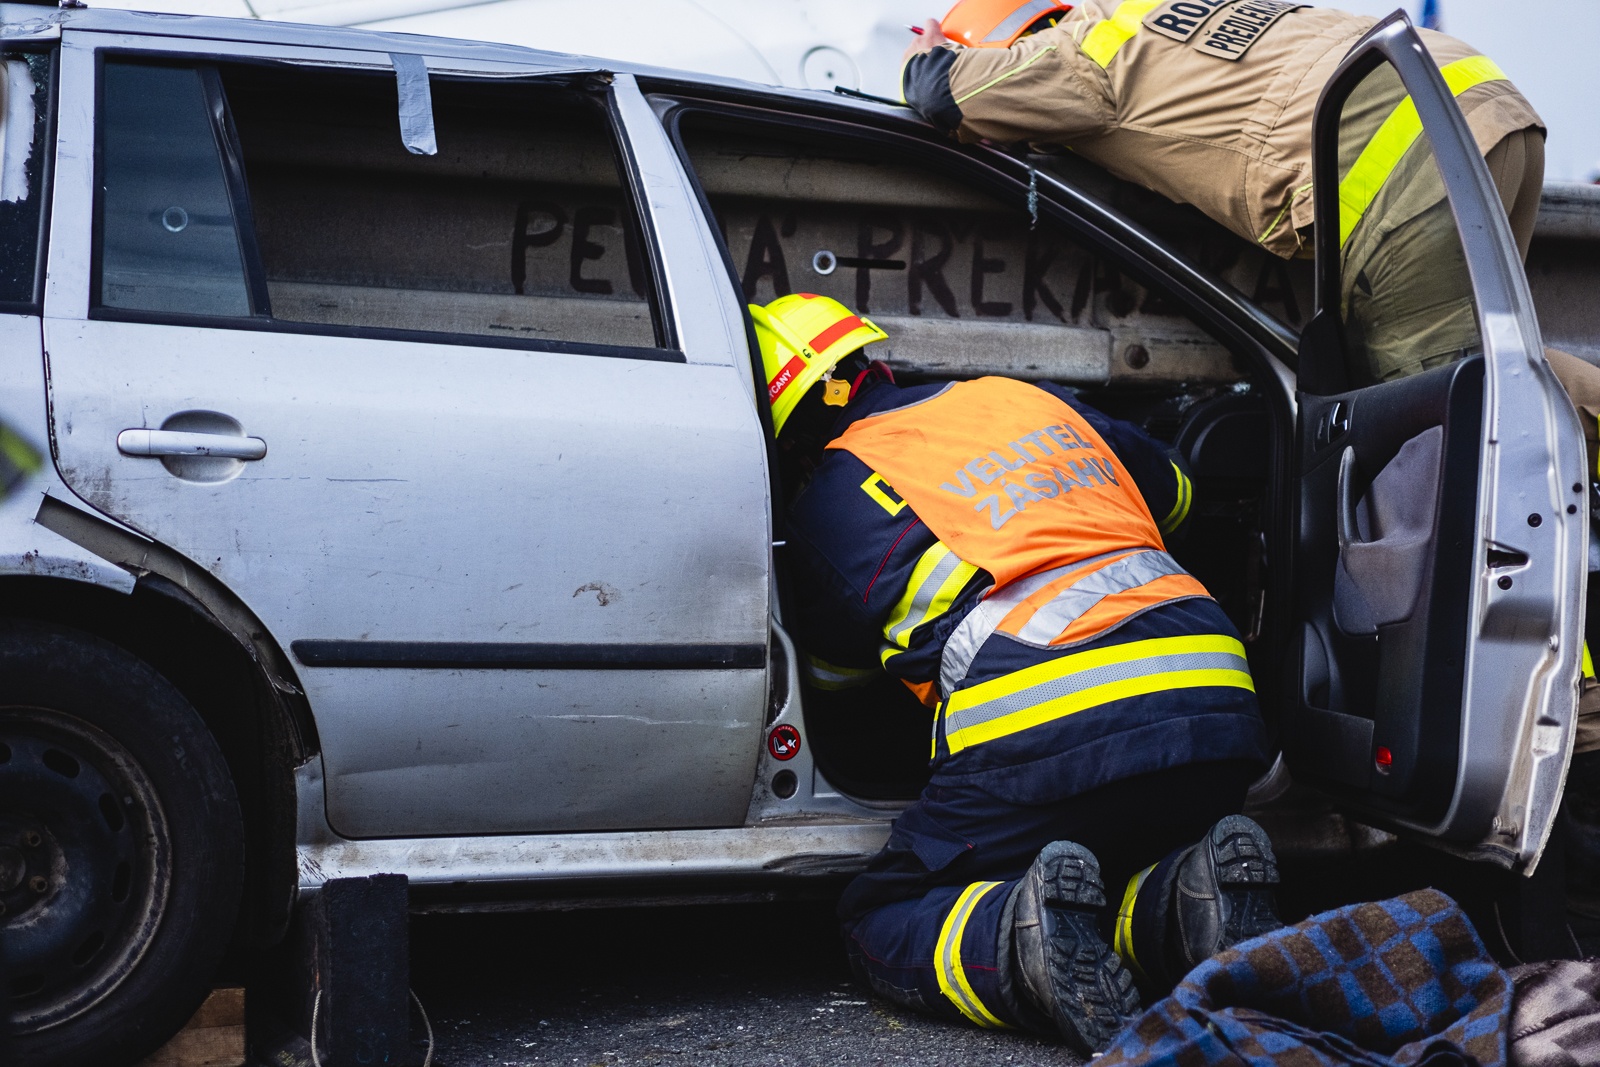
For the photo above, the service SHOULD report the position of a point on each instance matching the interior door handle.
(184, 443)
(1345, 505)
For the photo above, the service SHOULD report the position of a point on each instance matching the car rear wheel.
(121, 849)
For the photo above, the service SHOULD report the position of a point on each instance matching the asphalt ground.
(767, 984)
(759, 984)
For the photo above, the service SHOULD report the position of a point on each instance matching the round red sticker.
(783, 742)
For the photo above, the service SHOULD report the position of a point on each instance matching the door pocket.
(1384, 561)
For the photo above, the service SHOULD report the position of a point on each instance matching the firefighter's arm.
(1159, 471)
(829, 558)
(1041, 89)
(838, 642)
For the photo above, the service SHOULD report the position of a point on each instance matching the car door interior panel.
(1438, 530)
(1389, 495)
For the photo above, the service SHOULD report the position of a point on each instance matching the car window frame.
(1229, 317)
(1481, 224)
(666, 347)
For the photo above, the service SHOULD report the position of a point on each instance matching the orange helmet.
(996, 23)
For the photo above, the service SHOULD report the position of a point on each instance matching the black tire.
(121, 850)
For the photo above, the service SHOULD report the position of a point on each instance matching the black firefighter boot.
(1056, 970)
(1199, 901)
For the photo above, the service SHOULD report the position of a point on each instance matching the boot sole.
(1247, 871)
(1093, 993)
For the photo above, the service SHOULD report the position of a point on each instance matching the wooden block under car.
(213, 1038)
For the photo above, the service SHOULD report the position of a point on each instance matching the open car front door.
(1442, 505)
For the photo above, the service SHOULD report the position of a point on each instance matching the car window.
(962, 281)
(23, 122)
(1405, 296)
(519, 228)
(169, 239)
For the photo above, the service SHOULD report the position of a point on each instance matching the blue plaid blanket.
(1396, 983)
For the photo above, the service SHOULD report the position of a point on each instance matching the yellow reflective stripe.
(1180, 507)
(1398, 132)
(1108, 36)
(947, 957)
(1078, 662)
(936, 581)
(992, 82)
(1588, 662)
(874, 486)
(1061, 707)
(1052, 690)
(1122, 940)
(825, 675)
(1296, 195)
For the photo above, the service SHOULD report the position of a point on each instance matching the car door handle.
(1345, 506)
(184, 443)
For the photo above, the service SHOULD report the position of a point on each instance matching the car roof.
(27, 21)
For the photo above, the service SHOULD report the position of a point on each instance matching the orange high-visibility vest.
(1014, 481)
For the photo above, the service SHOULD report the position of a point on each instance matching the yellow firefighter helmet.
(803, 337)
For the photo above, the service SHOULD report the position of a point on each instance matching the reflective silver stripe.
(1073, 602)
(952, 978)
(825, 675)
(922, 597)
(1018, 19)
(1078, 681)
(982, 621)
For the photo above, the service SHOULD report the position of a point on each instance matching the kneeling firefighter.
(994, 544)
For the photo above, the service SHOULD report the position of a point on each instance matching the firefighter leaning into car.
(998, 547)
(1210, 103)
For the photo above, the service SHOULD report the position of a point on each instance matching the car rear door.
(438, 398)
(1441, 498)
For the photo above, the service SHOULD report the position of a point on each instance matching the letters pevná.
(1044, 482)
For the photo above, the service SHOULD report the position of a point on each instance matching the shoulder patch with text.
(1241, 24)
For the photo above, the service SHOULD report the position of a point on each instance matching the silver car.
(410, 506)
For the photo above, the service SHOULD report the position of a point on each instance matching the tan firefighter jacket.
(1208, 102)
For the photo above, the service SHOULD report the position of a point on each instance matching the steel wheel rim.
(78, 811)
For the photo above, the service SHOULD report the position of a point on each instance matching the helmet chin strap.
(877, 369)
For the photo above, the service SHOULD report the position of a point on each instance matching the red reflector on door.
(1384, 758)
